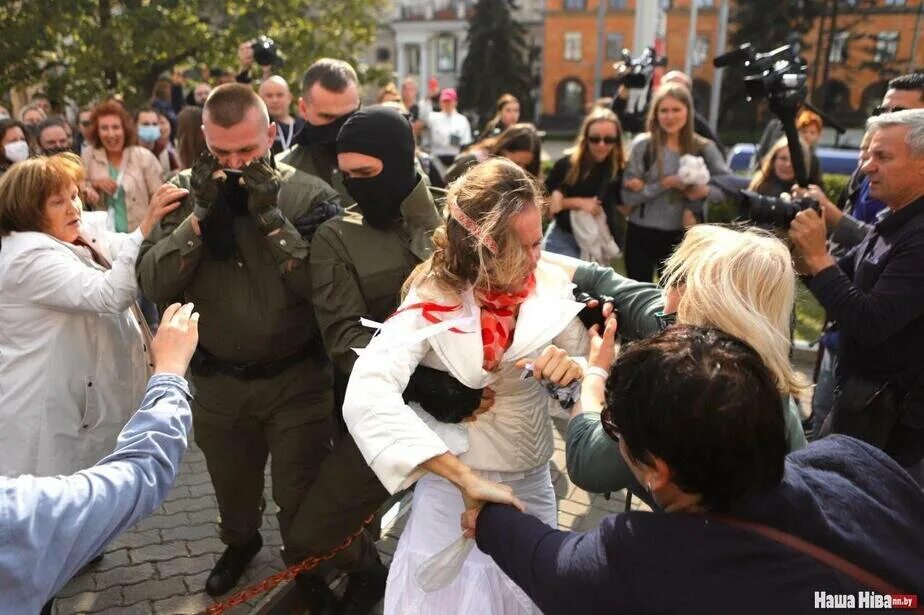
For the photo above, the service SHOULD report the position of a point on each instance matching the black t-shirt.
(593, 184)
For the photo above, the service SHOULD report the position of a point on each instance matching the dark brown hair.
(228, 104)
(190, 141)
(333, 75)
(111, 107)
(27, 185)
(517, 138)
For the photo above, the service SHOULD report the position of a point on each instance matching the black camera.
(778, 211)
(641, 68)
(264, 51)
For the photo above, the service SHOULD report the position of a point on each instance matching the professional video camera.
(779, 76)
(265, 52)
(641, 68)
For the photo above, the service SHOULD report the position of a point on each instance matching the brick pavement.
(160, 565)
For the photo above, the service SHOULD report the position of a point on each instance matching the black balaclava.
(323, 136)
(383, 133)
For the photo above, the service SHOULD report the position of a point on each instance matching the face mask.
(51, 151)
(378, 202)
(149, 134)
(326, 135)
(4, 115)
(17, 151)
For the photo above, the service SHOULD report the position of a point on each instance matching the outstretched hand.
(176, 340)
(476, 492)
(603, 350)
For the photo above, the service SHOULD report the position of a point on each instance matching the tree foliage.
(85, 48)
(497, 60)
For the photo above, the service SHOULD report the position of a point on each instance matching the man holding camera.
(238, 247)
(876, 294)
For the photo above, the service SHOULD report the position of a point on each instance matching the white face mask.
(17, 151)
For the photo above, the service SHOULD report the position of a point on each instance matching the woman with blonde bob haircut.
(482, 307)
(740, 281)
(73, 355)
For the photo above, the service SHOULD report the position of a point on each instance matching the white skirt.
(481, 586)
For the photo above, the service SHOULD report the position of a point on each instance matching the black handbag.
(440, 395)
(865, 409)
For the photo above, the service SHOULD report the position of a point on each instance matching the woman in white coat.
(73, 358)
(480, 308)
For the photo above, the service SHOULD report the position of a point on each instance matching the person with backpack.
(661, 200)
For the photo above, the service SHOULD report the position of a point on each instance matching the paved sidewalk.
(160, 565)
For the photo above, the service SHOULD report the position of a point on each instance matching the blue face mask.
(149, 134)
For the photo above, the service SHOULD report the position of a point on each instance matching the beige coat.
(143, 175)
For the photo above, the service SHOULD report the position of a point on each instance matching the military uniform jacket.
(255, 306)
(357, 271)
(315, 160)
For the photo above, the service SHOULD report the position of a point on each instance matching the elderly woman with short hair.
(73, 355)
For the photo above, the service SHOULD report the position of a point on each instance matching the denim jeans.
(560, 242)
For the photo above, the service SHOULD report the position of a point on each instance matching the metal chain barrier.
(288, 574)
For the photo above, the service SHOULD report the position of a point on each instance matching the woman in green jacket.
(739, 281)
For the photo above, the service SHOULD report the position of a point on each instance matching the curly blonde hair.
(491, 194)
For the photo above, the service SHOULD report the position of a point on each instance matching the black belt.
(205, 363)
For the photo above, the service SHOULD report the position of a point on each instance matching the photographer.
(876, 294)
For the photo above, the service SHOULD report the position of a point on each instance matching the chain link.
(309, 563)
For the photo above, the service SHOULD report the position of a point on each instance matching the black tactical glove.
(204, 185)
(441, 395)
(591, 316)
(263, 182)
(308, 224)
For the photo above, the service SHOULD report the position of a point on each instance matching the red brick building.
(870, 46)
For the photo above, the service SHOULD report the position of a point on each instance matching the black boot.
(364, 590)
(317, 595)
(230, 566)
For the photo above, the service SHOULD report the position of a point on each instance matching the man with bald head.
(238, 248)
(275, 93)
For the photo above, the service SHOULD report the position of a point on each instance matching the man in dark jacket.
(876, 294)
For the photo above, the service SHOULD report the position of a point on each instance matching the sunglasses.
(880, 110)
(665, 320)
(597, 139)
(609, 427)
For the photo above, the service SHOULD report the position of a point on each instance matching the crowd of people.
(378, 298)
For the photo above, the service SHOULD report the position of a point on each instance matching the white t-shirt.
(448, 133)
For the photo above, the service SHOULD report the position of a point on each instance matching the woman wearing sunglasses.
(661, 203)
(586, 179)
(746, 526)
(739, 281)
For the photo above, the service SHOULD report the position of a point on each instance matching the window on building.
(446, 53)
(573, 46)
(701, 50)
(575, 5)
(838, 53)
(382, 54)
(705, 4)
(569, 98)
(886, 47)
(619, 5)
(894, 2)
(614, 46)
(413, 59)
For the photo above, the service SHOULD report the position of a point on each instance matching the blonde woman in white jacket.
(73, 358)
(481, 307)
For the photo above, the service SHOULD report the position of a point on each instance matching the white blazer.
(73, 360)
(514, 436)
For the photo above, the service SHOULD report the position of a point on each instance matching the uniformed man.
(358, 264)
(237, 247)
(330, 94)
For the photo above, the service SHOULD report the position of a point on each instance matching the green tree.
(497, 60)
(83, 49)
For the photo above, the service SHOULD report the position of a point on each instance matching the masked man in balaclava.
(358, 264)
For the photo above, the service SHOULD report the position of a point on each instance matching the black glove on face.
(441, 395)
(591, 316)
(263, 182)
(204, 185)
